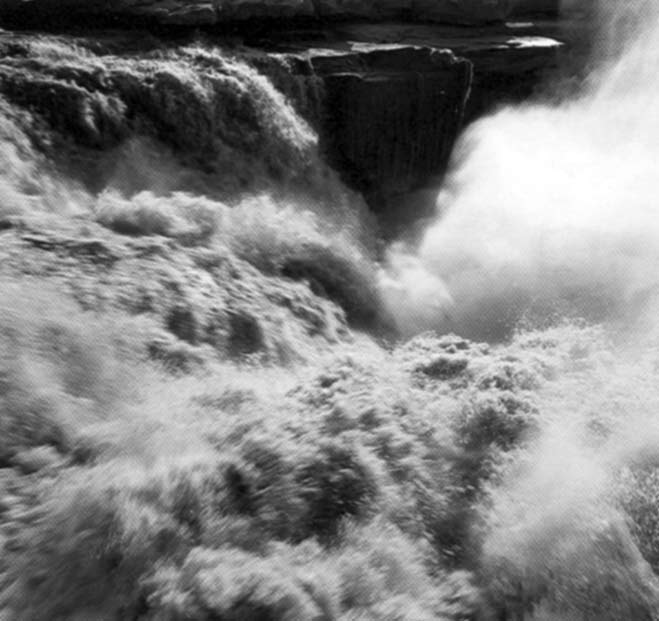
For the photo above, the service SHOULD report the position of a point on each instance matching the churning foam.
(549, 209)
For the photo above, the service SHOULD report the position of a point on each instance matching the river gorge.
(329, 311)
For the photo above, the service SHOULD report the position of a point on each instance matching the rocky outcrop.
(395, 98)
(460, 11)
(446, 11)
(214, 12)
(239, 10)
(363, 9)
(535, 7)
(508, 61)
(57, 13)
(193, 13)
(387, 128)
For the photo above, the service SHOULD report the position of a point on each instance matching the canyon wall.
(214, 12)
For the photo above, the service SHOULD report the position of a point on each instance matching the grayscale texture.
(323, 310)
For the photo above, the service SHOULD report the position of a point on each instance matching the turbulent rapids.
(224, 397)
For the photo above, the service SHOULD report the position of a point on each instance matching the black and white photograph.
(329, 310)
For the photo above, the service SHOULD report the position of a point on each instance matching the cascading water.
(192, 425)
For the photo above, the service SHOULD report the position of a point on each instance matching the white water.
(549, 210)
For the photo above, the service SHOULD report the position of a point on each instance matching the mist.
(549, 210)
(549, 217)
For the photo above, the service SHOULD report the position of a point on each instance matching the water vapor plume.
(550, 213)
(549, 210)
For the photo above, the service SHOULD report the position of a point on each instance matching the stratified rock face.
(36, 13)
(213, 12)
(508, 62)
(461, 11)
(531, 7)
(449, 11)
(366, 9)
(237, 10)
(192, 13)
(386, 128)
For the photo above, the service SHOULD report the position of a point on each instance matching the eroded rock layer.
(389, 128)
(212, 12)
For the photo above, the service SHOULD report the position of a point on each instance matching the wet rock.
(60, 12)
(179, 13)
(460, 11)
(535, 7)
(369, 9)
(388, 129)
(194, 13)
(236, 10)
(508, 61)
(375, 108)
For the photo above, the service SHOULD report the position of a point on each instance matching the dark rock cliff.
(508, 61)
(535, 7)
(214, 12)
(391, 113)
(396, 95)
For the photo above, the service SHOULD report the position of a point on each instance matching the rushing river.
(222, 399)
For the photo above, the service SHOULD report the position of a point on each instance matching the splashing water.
(531, 463)
(549, 209)
(550, 212)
